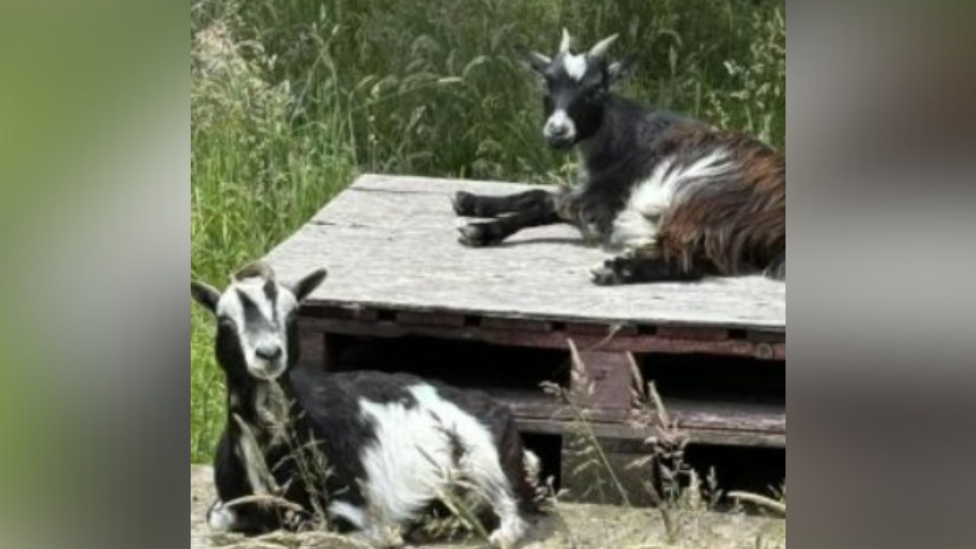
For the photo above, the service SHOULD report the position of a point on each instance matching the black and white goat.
(393, 444)
(673, 197)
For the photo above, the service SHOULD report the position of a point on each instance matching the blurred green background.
(291, 98)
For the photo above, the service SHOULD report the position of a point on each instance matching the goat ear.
(621, 70)
(304, 287)
(207, 296)
(535, 60)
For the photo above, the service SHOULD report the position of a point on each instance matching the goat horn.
(543, 59)
(600, 50)
(566, 43)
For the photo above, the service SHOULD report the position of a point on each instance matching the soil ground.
(574, 526)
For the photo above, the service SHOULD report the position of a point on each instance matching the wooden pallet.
(397, 271)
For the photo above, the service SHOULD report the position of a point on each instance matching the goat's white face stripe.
(265, 329)
(254, 290)
(575, 66)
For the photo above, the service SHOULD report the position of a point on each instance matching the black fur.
(327, 411)
(494, 232)
(631, 270)
(734, 224)
(325, 418)
(498, 419)
(621, 151)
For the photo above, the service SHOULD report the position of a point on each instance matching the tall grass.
(291, 98)
(257, 176)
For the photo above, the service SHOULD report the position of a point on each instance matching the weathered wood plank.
(559, 340)
(697, 334)
(515, 325)
(408, 318)
(716, 437)
(727, 416)
(725, 423)
(390, 243)
(601, 330)
(311, 344)
(607, 382)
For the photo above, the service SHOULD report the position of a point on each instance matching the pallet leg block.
(617, 473)
(317, 348)
(312, 345)
(605, 385)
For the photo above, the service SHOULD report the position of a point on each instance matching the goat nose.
(269, 352)
(557, 130)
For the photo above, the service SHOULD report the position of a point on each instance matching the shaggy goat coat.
(672, 197)
(371, 452)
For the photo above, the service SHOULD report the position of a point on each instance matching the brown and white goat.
(674, 198)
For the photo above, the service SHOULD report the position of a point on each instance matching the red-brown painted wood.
(436, 320)
(605, 400)
(606, 383)
(638, 344)
(311, 342)
(515, 325)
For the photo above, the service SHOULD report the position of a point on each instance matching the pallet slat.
(558, 340)
(390, 243)
(721, 423)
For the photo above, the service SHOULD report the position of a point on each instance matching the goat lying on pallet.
(676, 198)
(369, 451)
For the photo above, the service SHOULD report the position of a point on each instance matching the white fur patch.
(221, 519)
(575, 66)
(413, 462)
(560, 124)
(533, 467)
(349, 512)
(637, 224)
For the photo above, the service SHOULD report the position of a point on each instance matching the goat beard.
(272, 410)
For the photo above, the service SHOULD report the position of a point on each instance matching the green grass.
(256, 179)
(291, 98)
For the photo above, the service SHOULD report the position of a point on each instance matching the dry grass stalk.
(308, 540)
(267, 501)
(760, 501)
(581, 379)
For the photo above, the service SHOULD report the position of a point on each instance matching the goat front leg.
(777, 269)
(479, 235)
(473, 205)
(635, 268)
(232, 483)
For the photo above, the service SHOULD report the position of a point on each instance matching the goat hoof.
(475, 236)
(606, 275)
(506, 539)
(221, 519)
(464, 204)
